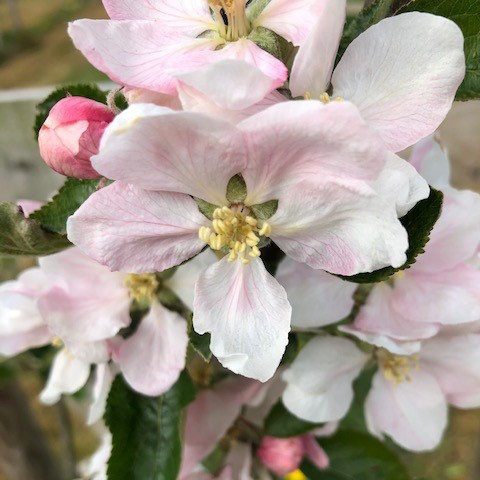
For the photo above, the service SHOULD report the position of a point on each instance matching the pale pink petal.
(400, 183)
(137, 231)
(317, 298)
(383, 315)
(299, 140)
(291, 19)
(156, 148)
(239, 463)
(315, 453)
(184, 280)
(244, 49)
(332, 228)
(15, 343)
(190, 16)
(152, 359)
(248, 315)
(431, 161)
(140, 95)
(313, 65)
(29, 206)
(67, 375)
(455, 238)
(140, 53)
(211, 415)
(90, 352)
(103, 381)
(413, 413)
(454, 360)
(447, 298)
(403, 88)
(320, 379)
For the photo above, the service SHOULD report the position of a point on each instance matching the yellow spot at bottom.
(142, 287)
(296, 475)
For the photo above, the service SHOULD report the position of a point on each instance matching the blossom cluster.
(249, 177)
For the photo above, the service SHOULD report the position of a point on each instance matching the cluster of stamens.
(235, 230)
(396, 368)
(231, 18)
(142, 287)
(325, 98)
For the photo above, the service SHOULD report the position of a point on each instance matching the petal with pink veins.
(317, 298)
(248, 315)
(333, 228)
(140, 53)
(137, 231)
(313, 65)
(413, 413)
(404, 89)
(155, 148)
(152, 359)
(292, 141)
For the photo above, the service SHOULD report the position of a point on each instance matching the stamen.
(142, 287)
(231, 18)
(237, 231)
(325, 98)
(57, 342)
(396, 368)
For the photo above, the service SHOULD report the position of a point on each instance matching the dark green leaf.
(283, 424)
(418, 222)
(369, 16)
(146, 431)
(357, 456)
(201, 344)
(25, 236)
(53, 216)
(466, 14)
(81, 90)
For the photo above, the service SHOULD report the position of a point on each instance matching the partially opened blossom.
(299, 174)
(402, 73)
(417, 388)
(145, 44)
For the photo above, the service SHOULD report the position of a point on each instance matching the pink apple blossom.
(145, 44)
(71, 136)
(401, 73)
(317, 161)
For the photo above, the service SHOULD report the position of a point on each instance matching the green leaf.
(358, 456)
(25, 236)
(146, 431)
(418, 222)
(53, 216)
(201, 344)
(466, 14)
(283, 424)
(81, 90)
(369, 16)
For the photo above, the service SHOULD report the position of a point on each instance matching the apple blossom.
(402, 73)
(171, 37)
(71, 135)
(312, 202)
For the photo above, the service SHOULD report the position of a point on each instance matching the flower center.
(396, 368)
(142, 287)
(231, 18)
(325, 98)
(236, 231)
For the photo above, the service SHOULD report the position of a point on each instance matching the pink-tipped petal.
(137, 231)
(248, 315)
(313, 65)
(314, 452)
(317, 298)
(152, 359)
(403, 74)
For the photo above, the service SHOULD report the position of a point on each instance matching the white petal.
(248, 315)
(103, 381)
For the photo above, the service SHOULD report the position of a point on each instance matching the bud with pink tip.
(281, 455)
(71, 136)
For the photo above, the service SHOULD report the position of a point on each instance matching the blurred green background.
(35, 51)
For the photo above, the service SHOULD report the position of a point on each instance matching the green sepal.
(206, 208)
(264, 211)
(236, 189)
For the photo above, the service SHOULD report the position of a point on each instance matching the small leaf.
(146, 431)
(359, 456)
(418, 222)
(466, 14)
(53, 216)
(236, 189)
(25, 236)
(81, 90)
(283, 424)
(201, 344)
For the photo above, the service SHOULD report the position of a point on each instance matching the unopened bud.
(281, 455)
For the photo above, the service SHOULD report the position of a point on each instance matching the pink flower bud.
(281, 455)
(71, 136)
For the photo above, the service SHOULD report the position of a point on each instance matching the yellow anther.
(255, 252)
(307, 96)
(266, 230)
(57, 342)
(142, 287)
(396, 368)
(325, 98)
(252, 221)
(245, 260)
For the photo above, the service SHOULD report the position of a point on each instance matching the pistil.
(231, 18)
